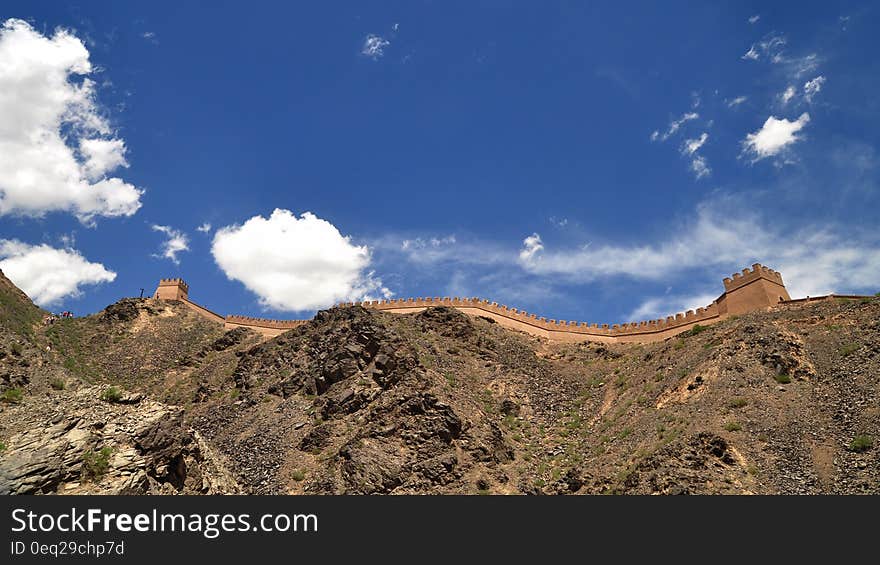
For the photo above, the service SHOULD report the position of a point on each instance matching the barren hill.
(362, 401)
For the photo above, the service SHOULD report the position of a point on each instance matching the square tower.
(172, 289)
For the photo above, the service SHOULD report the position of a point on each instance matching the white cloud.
(770, 47)
(47, 274)
(151, 37)
(295, 263)
(774, 136)
(175, 242)
(374, 46)
(56, 148)
(691, 146)
(812, 87)
(754, 19)
(700, 167)
(424, 243)
(532, 245)
(204, 228)
(101, 156)
(736, 101)
(787, 95)
(660, 307)
(813, 259)
(674, 126)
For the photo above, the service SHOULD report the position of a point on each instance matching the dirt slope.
(360, 401)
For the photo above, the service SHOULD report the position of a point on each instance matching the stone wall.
(747, 291)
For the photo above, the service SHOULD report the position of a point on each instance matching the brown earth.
(358, 401)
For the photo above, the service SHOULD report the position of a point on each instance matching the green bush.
(697, 329)
(861, 443)
(111, 394)
(298, 475)
(738, 402)
(57, 383)
(732, 427)
(16, 349)
(12, 395)
(783, 378)
(849, 349)
(95, 464)
(2, 447)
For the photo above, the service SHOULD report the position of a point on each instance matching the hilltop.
(358, 400)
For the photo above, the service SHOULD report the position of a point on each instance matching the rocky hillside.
(360, 401)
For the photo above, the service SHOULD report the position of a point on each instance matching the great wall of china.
(752, 289)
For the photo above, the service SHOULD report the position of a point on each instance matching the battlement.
(263, 322)
(752, 289)
(172, 289)
(758, 271)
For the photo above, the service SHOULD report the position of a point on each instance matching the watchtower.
(172, 289)
(752, 290)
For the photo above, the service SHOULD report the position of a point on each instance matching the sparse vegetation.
(298, 475)
(12, 395)
(679, 343)
(849, 349)
(111, 394)
(861, 443)
(15, 348)
(783, 378)
(95, 464)
(57, 383)
(738, 402)
(2, 447)
(732, 427)
(696, 330)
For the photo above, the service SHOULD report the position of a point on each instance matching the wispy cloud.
(736, 101)
(674, 126)
(770, 47)
(175, 242)
(754, 19)
(812, 87)
(204, 228)
(374, 46)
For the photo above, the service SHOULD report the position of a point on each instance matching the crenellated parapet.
(752, 289)
(263, 322)
(758, 271)
(172, 289)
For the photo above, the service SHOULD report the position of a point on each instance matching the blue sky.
(604, 162)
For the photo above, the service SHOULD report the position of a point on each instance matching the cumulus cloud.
(374, 46)
(787, 95)
(812, 87)
(57, 150)
(47, 274)
(532, 245)
(175, 242)
(204, 228)
(736, 101)
(754, 19)
(674, 126)
(295, 263)
(774, 136)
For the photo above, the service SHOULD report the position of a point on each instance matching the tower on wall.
(752, 290)
(172, 289)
